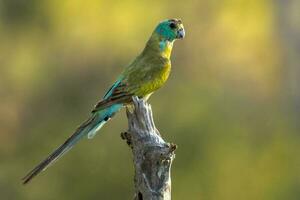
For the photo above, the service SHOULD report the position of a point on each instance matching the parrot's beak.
(180, 33)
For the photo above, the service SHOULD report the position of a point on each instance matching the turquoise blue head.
(171, 29)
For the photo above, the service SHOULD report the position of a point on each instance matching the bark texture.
(152, 156)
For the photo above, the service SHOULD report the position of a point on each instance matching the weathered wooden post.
(152, 156)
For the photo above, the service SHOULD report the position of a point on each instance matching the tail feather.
(88, 128)
(61, 150)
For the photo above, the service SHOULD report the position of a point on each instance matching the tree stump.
(152, 156)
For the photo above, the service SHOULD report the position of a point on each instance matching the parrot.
(144, 75)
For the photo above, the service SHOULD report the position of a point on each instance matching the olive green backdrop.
(232, 102)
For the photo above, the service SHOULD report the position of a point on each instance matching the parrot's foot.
(126, 136)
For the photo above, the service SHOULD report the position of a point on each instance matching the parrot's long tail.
(88, 128)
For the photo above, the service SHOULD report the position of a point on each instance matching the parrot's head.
(170, 29)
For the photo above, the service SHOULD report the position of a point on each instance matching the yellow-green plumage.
(148, 72)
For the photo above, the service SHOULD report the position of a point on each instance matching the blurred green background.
(232, 103)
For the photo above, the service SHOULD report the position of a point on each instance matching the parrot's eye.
(172, 25)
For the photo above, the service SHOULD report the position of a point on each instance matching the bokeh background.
(232, 103)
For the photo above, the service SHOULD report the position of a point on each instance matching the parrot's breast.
(155, 80)
(151, 69)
